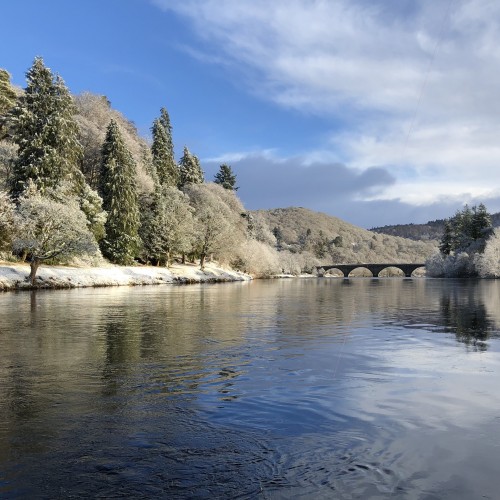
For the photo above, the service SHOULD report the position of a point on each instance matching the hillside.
(431, 231)
(332, 240)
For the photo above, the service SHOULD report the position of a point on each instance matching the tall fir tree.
(120, 200)
(165, 123)
(481, 220)
(45, 130)
(226, 178)
(7, 92)
(162, 153)
(446, 243)
(190, 169)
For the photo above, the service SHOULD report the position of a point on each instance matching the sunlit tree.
(120, 200)
(45, 130)
(47, 229)
(190, 169)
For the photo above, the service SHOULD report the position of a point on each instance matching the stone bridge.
(375, 269)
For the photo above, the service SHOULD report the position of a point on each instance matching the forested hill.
(331, 239)
(431, 231)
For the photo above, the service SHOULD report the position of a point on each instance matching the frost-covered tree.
(7, 92)
(48, 229)
(488, 264)
(94, 114)
(481, 221)
(220, 227)
(8, 156)
(7, 220)
(163, 154)
(88, 200)
(167, 225)
(8, 98)
(190, 171)
(446, 244)
(120, 201)
(226, 177)
(45, 130)
(466, 230)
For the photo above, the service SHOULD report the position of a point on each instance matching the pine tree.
(7, 92)
(226, 178)
(7, 100)
(481, 220)
(190, 169)
(446, 244)
(162, 152)
(46, 133)
(119, 193)
(165, 122)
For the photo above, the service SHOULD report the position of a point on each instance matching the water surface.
(360, 388)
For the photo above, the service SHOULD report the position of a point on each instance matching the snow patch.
(15, 276)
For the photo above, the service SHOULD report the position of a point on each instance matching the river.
(300, 388)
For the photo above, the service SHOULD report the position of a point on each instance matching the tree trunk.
(167, 259)
(202, 261)
(34, 265)
(183, 258)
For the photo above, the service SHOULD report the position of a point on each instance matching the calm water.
(358, 388)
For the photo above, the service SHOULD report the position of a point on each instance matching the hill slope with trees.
(430, 231)
(332, 240)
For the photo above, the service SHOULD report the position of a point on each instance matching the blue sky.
(376, 111)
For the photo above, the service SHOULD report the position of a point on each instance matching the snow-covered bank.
(14, 276)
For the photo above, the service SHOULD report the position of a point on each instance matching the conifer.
(226, 178)
(162, 152)
(7, 92)
(46, 133)
(190, 169)
(120, 200)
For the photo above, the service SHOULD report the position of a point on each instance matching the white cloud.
(413, 84)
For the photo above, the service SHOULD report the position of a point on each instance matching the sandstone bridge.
(375, 269)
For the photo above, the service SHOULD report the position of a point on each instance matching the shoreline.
(13, 276)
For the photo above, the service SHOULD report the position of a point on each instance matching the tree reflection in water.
(465, 313)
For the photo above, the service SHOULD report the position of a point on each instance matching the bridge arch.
(349, 274)
(375, 269)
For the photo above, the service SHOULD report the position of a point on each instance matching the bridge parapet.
(375, 269)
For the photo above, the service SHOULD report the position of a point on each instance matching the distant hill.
(332, 240)
(432, 231)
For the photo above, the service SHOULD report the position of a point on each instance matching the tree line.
(78, 182)
(469, 246)
(58, 201)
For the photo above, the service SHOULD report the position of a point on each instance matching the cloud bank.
(411, 88)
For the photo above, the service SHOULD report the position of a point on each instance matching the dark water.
(328, 388)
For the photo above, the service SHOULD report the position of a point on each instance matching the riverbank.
(14, 276)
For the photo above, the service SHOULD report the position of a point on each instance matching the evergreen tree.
(446, 244)
(481, 220)
(119, 193)
(7, 100)
(226, 178)
(162, 152)
(7, 92)
(46, 132)
(167, 127)
(466, 227)
(190, 169)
